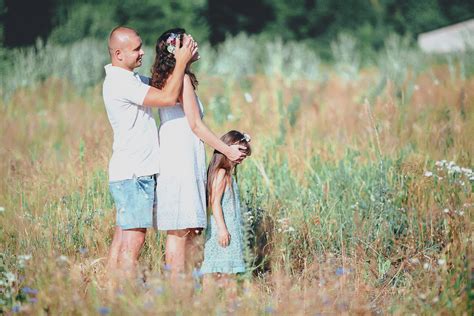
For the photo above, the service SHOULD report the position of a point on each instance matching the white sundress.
(181, 183)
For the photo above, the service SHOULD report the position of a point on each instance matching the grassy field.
(358, 193)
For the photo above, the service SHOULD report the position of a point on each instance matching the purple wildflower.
(28, 290)
(104, 310)
(269, 310)
(341, 271)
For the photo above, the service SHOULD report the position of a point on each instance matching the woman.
(181, 184)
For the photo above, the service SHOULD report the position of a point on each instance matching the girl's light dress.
(181, 182)
(230, 259)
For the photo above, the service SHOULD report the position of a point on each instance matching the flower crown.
(171, 43)
(246, 137)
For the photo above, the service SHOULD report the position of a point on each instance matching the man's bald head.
(125, 48)
(119, 37)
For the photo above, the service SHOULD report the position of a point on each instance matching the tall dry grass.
(349, 207)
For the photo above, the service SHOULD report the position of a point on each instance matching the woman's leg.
(175, 251)
(193, 255)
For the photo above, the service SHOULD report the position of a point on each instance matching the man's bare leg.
(114, 251)
(132, 243)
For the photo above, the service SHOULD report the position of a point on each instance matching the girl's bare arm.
(217, 190)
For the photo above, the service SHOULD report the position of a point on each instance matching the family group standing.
(164, 168)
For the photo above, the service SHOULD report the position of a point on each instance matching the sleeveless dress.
(181, 183)
(230, 259)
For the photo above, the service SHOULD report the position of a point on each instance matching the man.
(134, 162)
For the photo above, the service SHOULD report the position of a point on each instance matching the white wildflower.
(283, 220)
(414, 260)
(63, 258)
(290, 229)
(426, 266)
(24, 257)
(2, 209)
(428, 174)
(446, 210)
(456, 169)
(248, 97)
(441, 262)
(461, 213)
(10, 277)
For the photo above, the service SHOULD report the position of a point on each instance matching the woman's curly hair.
(165, 61)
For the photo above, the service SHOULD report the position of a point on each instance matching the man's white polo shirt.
(135, 148)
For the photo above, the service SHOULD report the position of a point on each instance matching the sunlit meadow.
(358, 194)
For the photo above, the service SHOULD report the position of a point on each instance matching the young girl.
(223, 250)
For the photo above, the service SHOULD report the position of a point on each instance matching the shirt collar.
(110, 70)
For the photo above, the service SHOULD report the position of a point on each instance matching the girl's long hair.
(220, 161)
(165, 62)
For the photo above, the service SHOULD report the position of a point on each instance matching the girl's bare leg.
(228, 284)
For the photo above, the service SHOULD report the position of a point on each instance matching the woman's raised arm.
(191, 110)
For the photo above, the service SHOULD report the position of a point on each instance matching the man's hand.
(184, 53)
(223, 237)
(235, 154)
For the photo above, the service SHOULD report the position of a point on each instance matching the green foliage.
(346, 56)
(150, 18)
(239, 57)
(318, 21)
(401, 63)
(85, 20)
(81, 63)
(220, 107)
(243, 55)
(2, 16)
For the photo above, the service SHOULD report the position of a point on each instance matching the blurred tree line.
(315, 21)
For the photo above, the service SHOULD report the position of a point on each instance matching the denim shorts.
(134, 200)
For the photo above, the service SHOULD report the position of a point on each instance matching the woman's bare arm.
(191, 110)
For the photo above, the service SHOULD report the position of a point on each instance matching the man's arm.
(172, 90)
